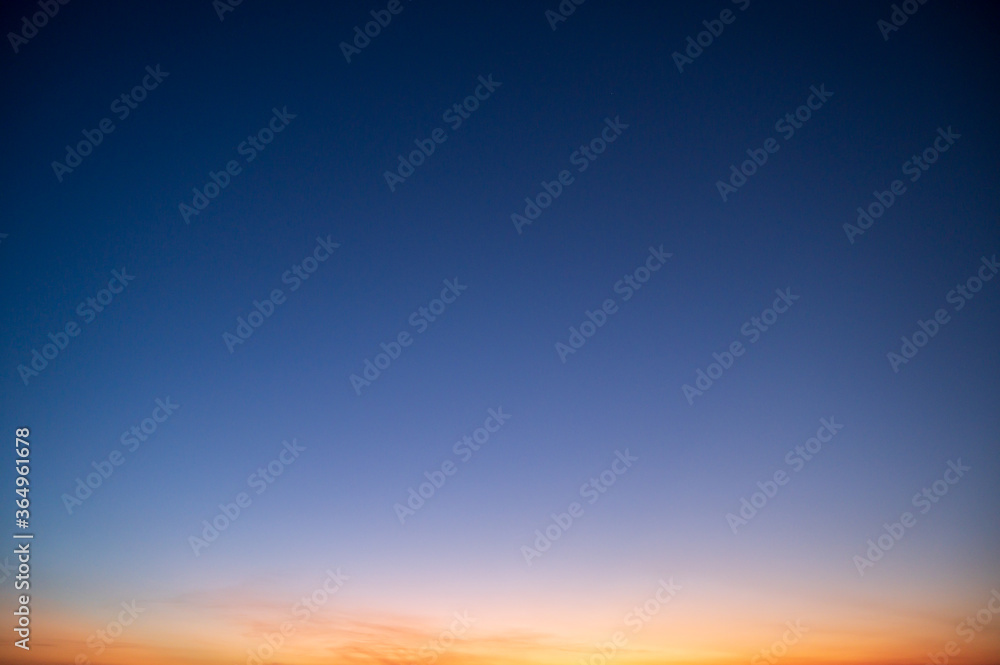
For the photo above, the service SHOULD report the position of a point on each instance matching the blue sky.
(322, 179)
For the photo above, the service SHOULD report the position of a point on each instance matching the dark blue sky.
(495, 346)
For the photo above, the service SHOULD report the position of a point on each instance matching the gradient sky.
(332, 507)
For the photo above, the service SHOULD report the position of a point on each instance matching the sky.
(531, 332)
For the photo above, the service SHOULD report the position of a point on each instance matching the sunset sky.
(684, 405)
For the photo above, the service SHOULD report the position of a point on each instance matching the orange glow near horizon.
(226, 634)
